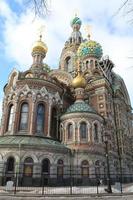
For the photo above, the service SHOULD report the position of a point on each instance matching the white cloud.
(113, 34)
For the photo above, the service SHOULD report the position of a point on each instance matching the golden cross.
(88, 30)
(76, 13)
(41, 31)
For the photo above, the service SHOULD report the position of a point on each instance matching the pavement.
(113, 197)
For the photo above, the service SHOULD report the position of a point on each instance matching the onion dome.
(76, 23)
(40, 47)
(79, 81)
(90, 48)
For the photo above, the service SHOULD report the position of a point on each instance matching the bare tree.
(127, 8)
(40, 7)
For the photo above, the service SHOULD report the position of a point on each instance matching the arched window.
(24, 117)
(95, 132)
(97, 169)
(40, 118)
(85, 168)
(68, 64)
(10, 164)
(46, 166)
(10, 118)
(60, 168)
(83, 130)
(28, 167)
(70, 131)
(87, 64)
(54, 123)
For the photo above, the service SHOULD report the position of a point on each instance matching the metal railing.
(69, 183)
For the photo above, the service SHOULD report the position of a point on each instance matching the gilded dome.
(79, 81)
(90, 48)
(40, 46)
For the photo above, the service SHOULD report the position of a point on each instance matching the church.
(57, 121)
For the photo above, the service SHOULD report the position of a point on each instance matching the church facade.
(53, 120)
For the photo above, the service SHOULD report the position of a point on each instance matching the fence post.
(98, 183)
(42, 184)
(15, 186)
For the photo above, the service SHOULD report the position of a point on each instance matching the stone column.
(49, 117)
(78, 133)
(14, 121)
(3, 120)
(32, 123)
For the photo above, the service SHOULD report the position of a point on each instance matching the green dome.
(75, 21)
(78, 107)
(90, 48)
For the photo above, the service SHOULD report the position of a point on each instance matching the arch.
(40, 118)
(87, 64)
(45, 166)
(68, 63)
(60, 168)
(10, 117)
(28, 167)
(24, 115)
(70, 131)
(85, 168)
(10, 164)
(83, 130)
(97, 169)
(54, 123)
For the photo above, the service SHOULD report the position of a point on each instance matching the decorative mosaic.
(90, 48)
(80, 107)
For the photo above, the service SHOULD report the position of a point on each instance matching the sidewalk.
(88, 197)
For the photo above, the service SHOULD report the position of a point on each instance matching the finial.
(40, 37)
(76, 13)
(88, 30)
(40, 31)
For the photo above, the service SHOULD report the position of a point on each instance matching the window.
(10, 164)
(24, 117)
(40, 118)
(54, 123)
(46, 166)
(28, 167)
(95, 132)
(85, 168)
(83, 130)
(97, 169)
(70, 131)
(60, 168)
(87, 64)
(10, 118)
(68, 64)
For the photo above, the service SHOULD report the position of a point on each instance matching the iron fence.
(69, 183)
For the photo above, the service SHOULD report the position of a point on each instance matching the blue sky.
(19, 30)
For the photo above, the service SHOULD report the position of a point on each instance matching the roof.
(30, 141)
(80, 107)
